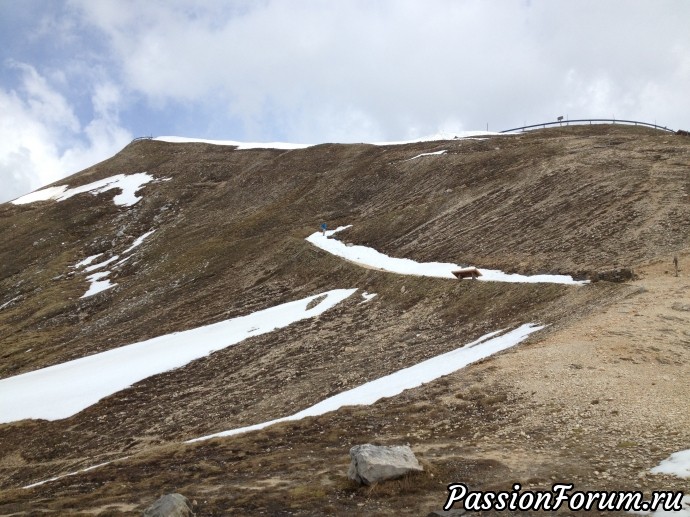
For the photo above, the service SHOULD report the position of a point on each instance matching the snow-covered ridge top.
(240, 145)
(129, 184)
(287, 146)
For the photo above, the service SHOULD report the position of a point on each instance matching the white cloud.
(41, 138)
(319, 70)
(308, 70)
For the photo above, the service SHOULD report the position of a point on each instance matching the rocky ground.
(596, 399)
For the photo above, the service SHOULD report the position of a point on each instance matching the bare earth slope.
(597, 398)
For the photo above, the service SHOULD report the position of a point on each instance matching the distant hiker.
(675, 263)
(323, 228)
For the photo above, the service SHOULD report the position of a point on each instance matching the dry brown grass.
(230, 240)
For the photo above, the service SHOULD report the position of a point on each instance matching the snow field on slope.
(407, 378)
(369, 257)
(129, 184)
(63, 390)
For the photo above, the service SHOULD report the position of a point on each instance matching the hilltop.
(597, 397)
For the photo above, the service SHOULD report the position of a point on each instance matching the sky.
(79, 79)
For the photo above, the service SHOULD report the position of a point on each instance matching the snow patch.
(367, 296)
(69, 474)
(7, 304)
(98, 285)
(98, 281)
(369, 257)
(677, 464)
(41, 195)
(427, 154)
(99, 265)
(87, 261)
(138, 241)
(63, 390)
(330, 233)
(129, 184)
(122, 261)
(404, 379)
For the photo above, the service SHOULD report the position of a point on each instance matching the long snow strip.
(369, 257)
(427, 154)
(63, 390)
(240, 145)
(288, 146)
(93, 467)
(128, 184)
(404, 379)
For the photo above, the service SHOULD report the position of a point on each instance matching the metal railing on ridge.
(590, 120)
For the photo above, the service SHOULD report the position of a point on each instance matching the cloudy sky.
(80, 78)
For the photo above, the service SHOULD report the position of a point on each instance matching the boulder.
(170, 505)
(373, 464)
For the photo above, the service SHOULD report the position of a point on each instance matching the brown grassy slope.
(596, 403)
(564, 200)
(230, 239)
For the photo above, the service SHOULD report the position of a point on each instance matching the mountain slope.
(230, 228)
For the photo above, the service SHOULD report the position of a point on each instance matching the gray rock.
(372, 463)
(455, 512)
(678, 306)
(170, 505)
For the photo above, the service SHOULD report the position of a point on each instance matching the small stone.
(170, 505)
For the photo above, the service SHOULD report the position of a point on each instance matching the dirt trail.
(604, 399)
(628, 365)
